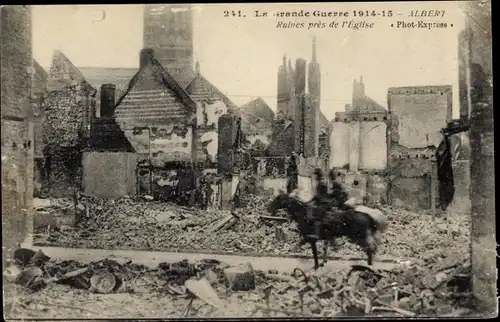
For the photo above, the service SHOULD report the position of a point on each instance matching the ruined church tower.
(312, 106)
(314, 78)
(283, 90)
(168, 29)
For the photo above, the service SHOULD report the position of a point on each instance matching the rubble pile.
(147, 225)
(439, 287)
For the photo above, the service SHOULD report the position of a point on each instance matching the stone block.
(240, 278)
(211, 277)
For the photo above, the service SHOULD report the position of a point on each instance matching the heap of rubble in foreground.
(147, 225)
(439, 288)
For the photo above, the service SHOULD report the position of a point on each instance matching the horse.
(359, 227)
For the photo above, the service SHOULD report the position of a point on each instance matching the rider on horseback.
(322, 201)
(337, 194)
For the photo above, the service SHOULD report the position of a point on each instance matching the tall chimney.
(146, 56)
(108, 100)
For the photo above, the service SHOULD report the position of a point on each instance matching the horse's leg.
(315, 253)
(325, 249)
(370, 246)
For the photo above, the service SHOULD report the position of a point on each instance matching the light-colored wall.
(420, 116)
(360, 144)
(354, 145)
(108, 174)
(339, 145)
(373, 146)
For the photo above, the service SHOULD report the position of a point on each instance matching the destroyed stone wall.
(411, 173)
(66, 115)
(359, 141)
(65, 132)
(270, 173)
(207, 116)
(63, 166)
(365, 186)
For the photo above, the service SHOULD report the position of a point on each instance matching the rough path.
(282, 264)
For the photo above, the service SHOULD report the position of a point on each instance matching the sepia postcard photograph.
(327, 160)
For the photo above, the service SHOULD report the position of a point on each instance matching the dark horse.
(358, 227)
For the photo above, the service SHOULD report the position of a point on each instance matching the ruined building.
(156, 114)
(298, 116)
(418, 114)
(168, 36)
(358, 143)
(67, 111)
(257, 124)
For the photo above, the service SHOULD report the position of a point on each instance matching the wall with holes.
(166, 143)
(364, 186)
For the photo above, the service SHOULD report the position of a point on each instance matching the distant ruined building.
(299, 120)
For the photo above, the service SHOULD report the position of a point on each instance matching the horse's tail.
(377, 215)
(382, 223)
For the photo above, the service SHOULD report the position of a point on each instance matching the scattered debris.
(152, 225)
(360, 291)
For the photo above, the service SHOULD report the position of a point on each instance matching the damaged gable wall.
(65, 124)
(154, 119)
(211, 104)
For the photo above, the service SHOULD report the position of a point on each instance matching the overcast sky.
(241, 55)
